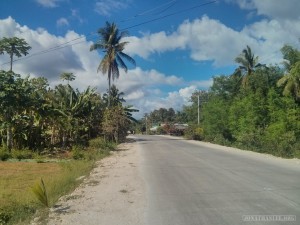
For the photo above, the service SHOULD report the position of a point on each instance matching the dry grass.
(17, 200)
(16, 178)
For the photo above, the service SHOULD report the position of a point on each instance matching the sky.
(178, 45)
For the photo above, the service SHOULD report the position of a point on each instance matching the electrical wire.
(171, 14)
(150, 10)
(67, 44)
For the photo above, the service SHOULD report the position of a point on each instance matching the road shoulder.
(113, 194)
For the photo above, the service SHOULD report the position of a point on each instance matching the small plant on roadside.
(101, 143)
(4, 154)
(39, 189)
(4, 218)
(194, 133)
(77, 152)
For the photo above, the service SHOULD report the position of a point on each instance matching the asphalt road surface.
(193, 183)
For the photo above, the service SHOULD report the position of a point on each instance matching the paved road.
(190, 183)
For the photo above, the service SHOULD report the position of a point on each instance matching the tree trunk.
(11, 60)
(109, 80)
(9, 140)
(53, 138)
(64, 140)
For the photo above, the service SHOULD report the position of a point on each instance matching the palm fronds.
(39, 190)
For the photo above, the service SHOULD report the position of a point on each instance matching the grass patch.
(102, 144)
(17, 201)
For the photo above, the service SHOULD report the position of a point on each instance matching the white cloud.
(140, 86)
(154, 43)
(201, 39)
(74, 58)
(276, 9)
(279, 9)
(62, 22)
(135, 95)
(48, 3)
(175, 100)
(138, 79)
(205, 39)
(75, 14)
(203, 84)
(208, 39)
(107, 7)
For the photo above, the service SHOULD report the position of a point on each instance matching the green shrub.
(22, 154)
(221, 140)
(101, 143)
(160, 130)
(194, 133)
(4, 155)
(17, 213)
(4, 217)
(39, 189)
(77, 152)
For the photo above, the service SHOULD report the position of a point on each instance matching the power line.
(66, 44)
(173, 2)
(171, 14)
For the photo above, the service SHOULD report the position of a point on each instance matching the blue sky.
(175, 55)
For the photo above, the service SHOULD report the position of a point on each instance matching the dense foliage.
(262, 114)
(256, 108)
(37, 117)
(109, 42)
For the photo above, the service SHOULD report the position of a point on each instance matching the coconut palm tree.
(248, 63)
(110, 43)
(290, 55)
(14, 46)
(128, 113)
(114, 97)
(67, 76)
(291, 82)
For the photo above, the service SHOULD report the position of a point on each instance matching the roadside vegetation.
(257, 107)
(51, 136)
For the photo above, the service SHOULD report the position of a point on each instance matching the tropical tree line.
(263, 114)
(257, 107)
(35, 116)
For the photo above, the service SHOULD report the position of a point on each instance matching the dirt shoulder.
(113, 194)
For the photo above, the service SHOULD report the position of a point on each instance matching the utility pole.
(198, 109)
(146, 126)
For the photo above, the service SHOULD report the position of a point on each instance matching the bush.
(4, 155)
(194, 133)
(101, 143)
(22, 154)
(77, 152)
(160, 130)
(4, 217)
(16, 213)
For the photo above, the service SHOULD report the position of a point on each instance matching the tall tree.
(14, 100)
(248, 63)
(14, 46)
(291, 80)
(110, 43)
(115, 123)
(67, 76)
(290, 55)
(114, 97)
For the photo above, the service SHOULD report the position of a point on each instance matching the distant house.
(181, 126)
(173, 129)
(154, 128)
